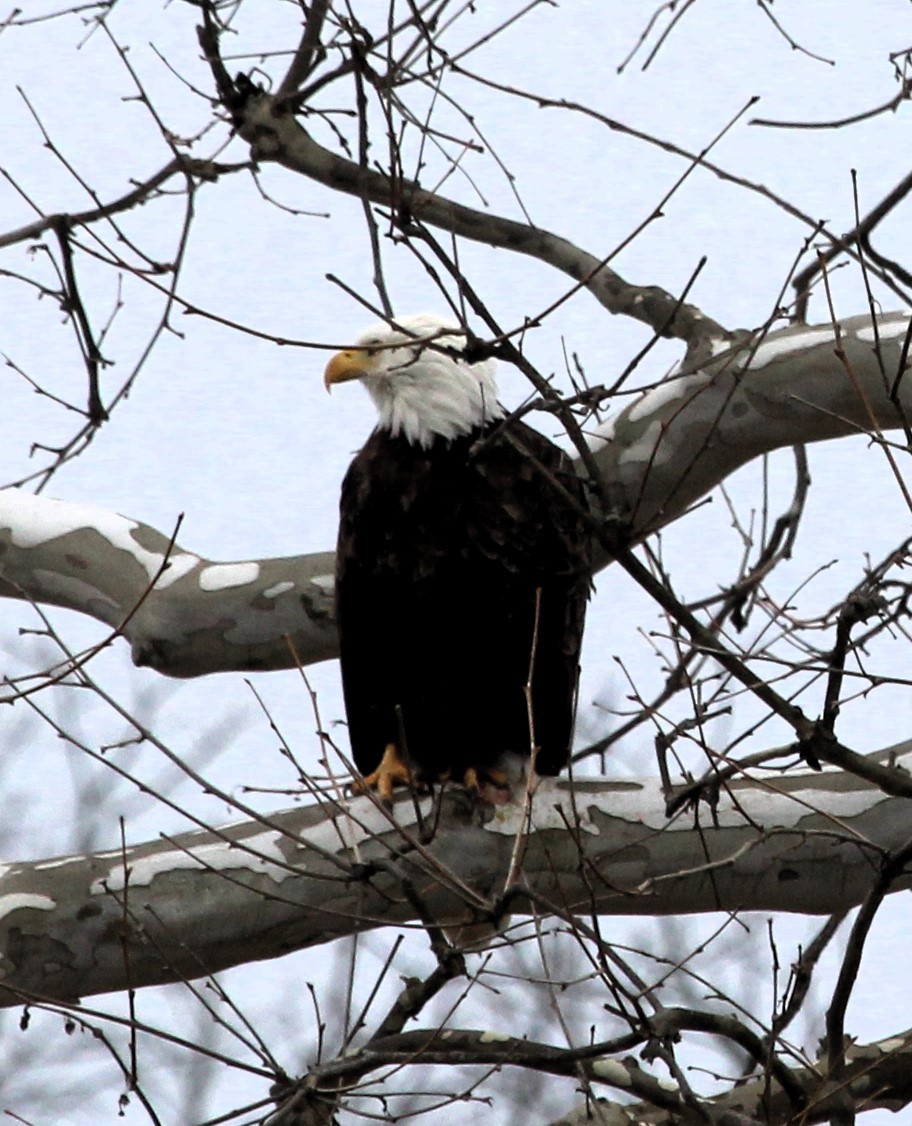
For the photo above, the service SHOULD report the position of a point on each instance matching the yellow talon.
(392, 770)
(476, 779)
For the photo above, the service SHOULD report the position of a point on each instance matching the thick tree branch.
(198, 615)
(657, 457)
(212, 899)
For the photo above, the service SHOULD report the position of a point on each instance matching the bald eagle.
(462, 570)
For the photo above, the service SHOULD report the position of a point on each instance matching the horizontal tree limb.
(659, 455)
(165, 910)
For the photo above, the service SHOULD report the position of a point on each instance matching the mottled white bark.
(182, 614)
(212, 899)
(676, 442)
(660, 454)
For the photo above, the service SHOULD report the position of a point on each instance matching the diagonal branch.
(308, 50)
(277, 136)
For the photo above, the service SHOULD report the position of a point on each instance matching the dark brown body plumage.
(443, 555)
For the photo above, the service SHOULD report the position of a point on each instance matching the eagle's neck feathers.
(434, 395)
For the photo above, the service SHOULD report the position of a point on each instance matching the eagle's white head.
(421, 386)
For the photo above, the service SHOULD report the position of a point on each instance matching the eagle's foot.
(490, 784)
(391, 772)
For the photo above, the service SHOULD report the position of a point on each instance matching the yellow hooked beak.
(344, 366)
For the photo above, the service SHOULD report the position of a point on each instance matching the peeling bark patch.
(612, 1072)
(272, 620)
(326, 583)
(78, 592)
(47, 955)
(349, 831)
(279, 588)
(886, 330)
(552, 808)
(215, 856)
(222, 576)
(656, 398)
(35, 520)
(16, 901)
(644, 447)
(783, 347)
(178, 566)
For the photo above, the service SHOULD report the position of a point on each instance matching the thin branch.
(891, 105)
(309, 50)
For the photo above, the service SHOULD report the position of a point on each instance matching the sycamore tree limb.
(877, 1076)
(209, 899)
(195, 616)
(659, 455)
